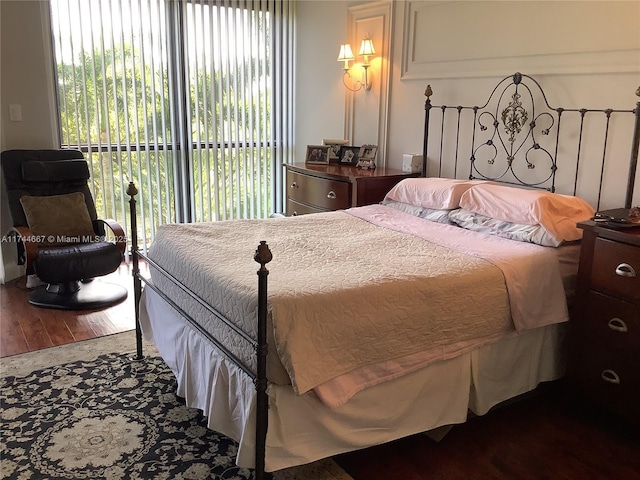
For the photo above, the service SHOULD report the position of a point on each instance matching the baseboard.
(11, 272)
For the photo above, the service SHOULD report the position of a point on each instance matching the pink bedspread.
(531, 272)
(519, 262)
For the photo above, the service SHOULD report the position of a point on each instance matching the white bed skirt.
(302, 429)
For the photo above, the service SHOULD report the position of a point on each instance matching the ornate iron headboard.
(514, 137)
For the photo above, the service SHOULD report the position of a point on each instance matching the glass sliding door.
(177, 96)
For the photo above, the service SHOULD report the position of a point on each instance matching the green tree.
(119, 109)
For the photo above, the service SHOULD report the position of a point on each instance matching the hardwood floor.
(25, 328)
(538, 437)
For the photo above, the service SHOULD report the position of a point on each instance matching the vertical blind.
(191, 100)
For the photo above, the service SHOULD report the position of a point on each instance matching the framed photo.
(334, 145)
(367, 157)
(368, 152)
(318, 154)
(349, 155)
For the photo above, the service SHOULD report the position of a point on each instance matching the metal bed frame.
(504, 130)
(263, 256)
(513, 117)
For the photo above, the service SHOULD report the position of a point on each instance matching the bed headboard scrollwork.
(517, 137)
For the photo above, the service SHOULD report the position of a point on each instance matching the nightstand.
(322, 188)
(604, 364)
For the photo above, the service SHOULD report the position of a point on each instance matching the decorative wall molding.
(471, 38)
(366, 112)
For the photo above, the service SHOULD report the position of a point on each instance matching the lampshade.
(346, 53)
(366, 48)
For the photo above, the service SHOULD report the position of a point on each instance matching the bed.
(387, 320)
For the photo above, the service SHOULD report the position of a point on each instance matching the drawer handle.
(331, 195)
(294, 185)
(618, 325)
(625, 270)
(611, 377)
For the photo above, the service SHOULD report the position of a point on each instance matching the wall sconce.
(346, 55)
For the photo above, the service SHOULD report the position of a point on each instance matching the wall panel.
(487, 38)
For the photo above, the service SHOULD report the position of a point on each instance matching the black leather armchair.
(58, 239)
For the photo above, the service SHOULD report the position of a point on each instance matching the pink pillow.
(557, 214)
(432, 192)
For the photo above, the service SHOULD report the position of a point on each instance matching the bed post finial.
(263, 254)
(517, 78)
(132, 191)
(428, 92)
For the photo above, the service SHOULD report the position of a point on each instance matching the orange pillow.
(557, 214)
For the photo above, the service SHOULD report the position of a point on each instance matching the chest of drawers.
(323, 188)
(604, 363)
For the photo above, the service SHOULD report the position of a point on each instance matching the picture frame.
(367, 157)
(368, 152)
(334, 145)
(349, 155)
(317, 154)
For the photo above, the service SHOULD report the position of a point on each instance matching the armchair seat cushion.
(76, 262)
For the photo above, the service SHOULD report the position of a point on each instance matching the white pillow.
(403, 207)
(431, 214)
(501, 228)
(431, 192)
(557, 214)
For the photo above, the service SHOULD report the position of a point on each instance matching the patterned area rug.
(75, 412)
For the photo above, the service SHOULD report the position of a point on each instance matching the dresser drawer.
(294, 209)
(611, 381)
(318, 192)
(616, 268)
(611, 323)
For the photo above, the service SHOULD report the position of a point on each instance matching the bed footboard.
(262, 256)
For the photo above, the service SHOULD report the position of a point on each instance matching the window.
(188, 99)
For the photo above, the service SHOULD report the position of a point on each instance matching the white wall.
(26, 75)
(593, 86)
(321, 26)
(26, 79)
(321, 98)
(587, 86)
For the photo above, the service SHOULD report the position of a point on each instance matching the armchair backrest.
(43, 173)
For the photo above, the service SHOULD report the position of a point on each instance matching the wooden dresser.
(604, 362)
(322, 188)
